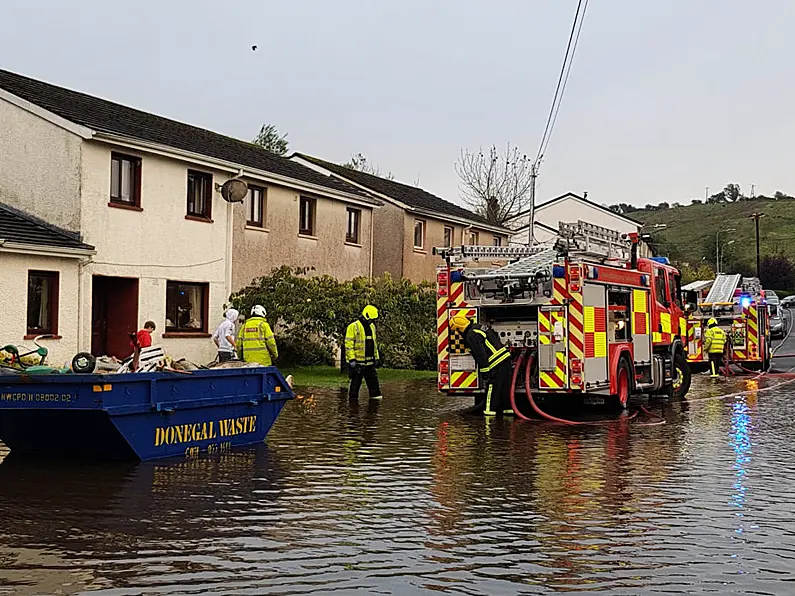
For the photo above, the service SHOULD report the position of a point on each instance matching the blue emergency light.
(745, 301)
(663, 260)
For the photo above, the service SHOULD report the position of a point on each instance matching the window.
(42, 302)
(474, 238)
(618, 312)
(419, 233)
(659, 287)
(186, 307)
(125, 180)
(255, 206)
(352, 233)
(306, 225)
(497, 241)
(448, 236)
(200, 195)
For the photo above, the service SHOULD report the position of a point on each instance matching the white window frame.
(424, 228)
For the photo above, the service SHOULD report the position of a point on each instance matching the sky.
(664, 98)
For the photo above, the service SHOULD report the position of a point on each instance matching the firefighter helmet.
(459, 323)
(712, 322)
(370, 313)
(259, 311)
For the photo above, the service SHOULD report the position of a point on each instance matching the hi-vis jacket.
(357, 338)
(257, 341)
(714, 340)
(485, 346)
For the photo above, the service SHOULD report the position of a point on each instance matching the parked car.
(788, 302)
(777, 325)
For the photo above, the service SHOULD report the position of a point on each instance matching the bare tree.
(359, 163)
(495, 185)
(269, 138)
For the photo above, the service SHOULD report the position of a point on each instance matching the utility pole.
(752, 190)
(531, 210)
(717, 247)
(706, 193)
(755, 217)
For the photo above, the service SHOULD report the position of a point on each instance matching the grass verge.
(329, 377)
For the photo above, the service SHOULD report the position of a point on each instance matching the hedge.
(311, 313)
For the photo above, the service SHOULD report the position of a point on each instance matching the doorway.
(114, 315)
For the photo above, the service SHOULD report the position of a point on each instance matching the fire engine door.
(641, 326)
(552, 348)
(595, 326)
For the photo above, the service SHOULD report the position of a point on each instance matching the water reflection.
(407, 496)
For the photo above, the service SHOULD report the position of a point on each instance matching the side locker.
(594, 299)
(552, 348)
(641, 326)
(695, 339)
(463, 370)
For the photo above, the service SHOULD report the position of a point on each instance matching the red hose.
(517, 367)
(535, 407)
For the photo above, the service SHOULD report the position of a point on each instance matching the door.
(114, 315)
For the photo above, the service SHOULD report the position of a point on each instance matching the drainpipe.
(81, 265)
(372, 227)
(229, 234)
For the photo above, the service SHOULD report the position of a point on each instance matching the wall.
(256, 251)
(154, 245)
(39, 167)
(388, 245)
(13, 297)
(572, 210)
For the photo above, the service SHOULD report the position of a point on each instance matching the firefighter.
(361, 352)
(493, 360)
(714, 344)
(256, 340)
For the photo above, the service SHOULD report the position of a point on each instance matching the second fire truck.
(594, 319)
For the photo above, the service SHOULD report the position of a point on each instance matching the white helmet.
(259, 311)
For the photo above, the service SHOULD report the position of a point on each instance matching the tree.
(496, 185)
(780, 196)
(360, 163)
(732, 192)
(268, 138)
(696, 202)
(777, 272)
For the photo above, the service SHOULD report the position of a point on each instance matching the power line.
(565, 69)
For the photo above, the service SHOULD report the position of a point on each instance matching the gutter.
(47, 251)
(234, 168)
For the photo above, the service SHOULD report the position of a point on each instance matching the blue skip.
(140, 416)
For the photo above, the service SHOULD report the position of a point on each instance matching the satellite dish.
(234, 190)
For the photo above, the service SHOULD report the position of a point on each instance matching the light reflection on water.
(407, 496)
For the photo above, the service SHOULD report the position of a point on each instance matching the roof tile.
(16, 226)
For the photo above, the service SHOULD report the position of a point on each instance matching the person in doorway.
(224, 336)
(493, 360)
(361, 352)
(715, 345)
(255, 339)
(141, 340)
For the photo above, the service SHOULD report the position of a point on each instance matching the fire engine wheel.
(682, 376)
(623, 385)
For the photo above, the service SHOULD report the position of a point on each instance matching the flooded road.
(406, 496)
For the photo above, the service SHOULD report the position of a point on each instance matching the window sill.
(356, 244)
(307, 236)
(35, 335)
(125, 206)
(420, 251)
(186, 334)
(198, 218)
(257, 228)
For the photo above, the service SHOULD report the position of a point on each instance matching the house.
(569, 208)
(41, 268)
(411, 222)
(144, 191)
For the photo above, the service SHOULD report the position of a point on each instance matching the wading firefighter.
(594, 322)
(361, 352)
(715, 345)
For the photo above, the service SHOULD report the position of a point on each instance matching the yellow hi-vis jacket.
(714, 340)
(257, 342)
(356, 338)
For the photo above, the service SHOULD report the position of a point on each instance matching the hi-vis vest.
(715, 340)
(356, 338)
(257, 341)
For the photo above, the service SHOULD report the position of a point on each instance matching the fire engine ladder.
(723, 289)
(589, 240)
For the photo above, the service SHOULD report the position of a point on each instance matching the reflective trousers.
(716, 363)
(498, 388)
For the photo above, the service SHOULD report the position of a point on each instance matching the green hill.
(689, 237)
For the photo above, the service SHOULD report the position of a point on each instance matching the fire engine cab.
(595, 320)
(739, 306)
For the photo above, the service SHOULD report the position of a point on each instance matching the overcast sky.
(665, 98)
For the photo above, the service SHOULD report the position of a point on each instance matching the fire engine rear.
(594, 319)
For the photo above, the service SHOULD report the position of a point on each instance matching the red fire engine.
(595, 320)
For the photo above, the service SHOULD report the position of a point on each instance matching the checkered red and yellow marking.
(595, 332)
(456, 340)
(557, 378)
(640, 303)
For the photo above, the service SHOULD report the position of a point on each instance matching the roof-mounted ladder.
(586, 239)
(723, 289)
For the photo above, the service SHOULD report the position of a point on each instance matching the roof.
(20, 228)
(412, 196)
(571, 195)
(105, 116)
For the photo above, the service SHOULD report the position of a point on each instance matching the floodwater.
(407, 496)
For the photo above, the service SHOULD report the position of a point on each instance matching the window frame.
(311, 230)
(52, 303)
(177, 331)
(496, 241)
(207, 179)
(252, 188)
(357, 216)
(474, 234)
(136, 162)
(424, 230)
(448, 242)
(661, 285)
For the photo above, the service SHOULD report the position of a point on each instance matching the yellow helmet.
(712, 322)
(459, 323)
(370, 313)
